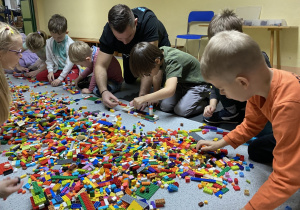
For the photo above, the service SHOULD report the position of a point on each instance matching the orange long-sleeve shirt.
(282, 109)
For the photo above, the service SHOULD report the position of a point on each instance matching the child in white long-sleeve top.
(59, 67)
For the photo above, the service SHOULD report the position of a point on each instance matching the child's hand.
(50, 76)
(32, 73)
(9, 186)
(209, 110)
(86, 91)
(138, 103)
(56, 83)
(210, 145)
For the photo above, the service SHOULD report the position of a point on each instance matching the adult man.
(124, 29)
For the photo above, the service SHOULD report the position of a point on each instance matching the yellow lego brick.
(56, 187)
(23, 176)
(47, 177)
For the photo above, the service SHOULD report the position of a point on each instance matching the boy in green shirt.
(185, 91)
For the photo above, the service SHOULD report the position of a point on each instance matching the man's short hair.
(79, 51)
(230, 53)
(58, 24)
(119, 17)
(226, 21)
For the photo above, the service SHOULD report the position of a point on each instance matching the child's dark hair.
(142, 58)
(226, 21)
(36, 40)
(58, 24)
(119, 17)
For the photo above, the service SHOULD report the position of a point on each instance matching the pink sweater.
(114, 71)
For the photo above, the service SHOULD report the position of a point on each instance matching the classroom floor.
(188, 195)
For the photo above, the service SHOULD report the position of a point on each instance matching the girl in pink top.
(81, 54)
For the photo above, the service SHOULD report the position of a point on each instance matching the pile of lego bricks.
(84, 161)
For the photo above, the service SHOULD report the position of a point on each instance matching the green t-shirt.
(181, 65)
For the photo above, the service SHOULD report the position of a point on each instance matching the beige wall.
(87, 18)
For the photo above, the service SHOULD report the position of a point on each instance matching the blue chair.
(195, 16)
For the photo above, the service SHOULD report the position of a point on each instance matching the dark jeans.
(261, 149)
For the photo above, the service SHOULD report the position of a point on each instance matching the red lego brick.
(236, 188)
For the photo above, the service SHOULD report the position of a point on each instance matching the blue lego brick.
(97, 204)
(240, 166)
(107, 191)
(172, 188)
(76, 206)
(219, 193)
(184, 174)
(105, 123)
(201, 179)
(58, 199)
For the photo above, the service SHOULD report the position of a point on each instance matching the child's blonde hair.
(230, 53)
(79, 51)
(36, 40)
(7, 38)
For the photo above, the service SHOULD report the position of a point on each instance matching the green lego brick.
(226, 169)
(225, 190)
(234, 168)
(208, 191)
(63, 177)
(152, 190)
(195, 130)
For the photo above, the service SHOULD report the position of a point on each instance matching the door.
(27, 9)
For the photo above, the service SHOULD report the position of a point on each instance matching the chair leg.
(175, 43)
(199, 49)
(186, 44)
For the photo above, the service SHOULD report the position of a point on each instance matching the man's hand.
(86, 91)
(109, 99)
(50, 76)
(56, 83)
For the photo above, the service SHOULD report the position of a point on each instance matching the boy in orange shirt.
(233, 63)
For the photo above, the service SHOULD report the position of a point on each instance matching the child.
(260, 150)
(185, 91)
(28, 59)
(81, 54)
(10, 53)
(233, 63)
(233, 111)
(59, 67)
(36, 42)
